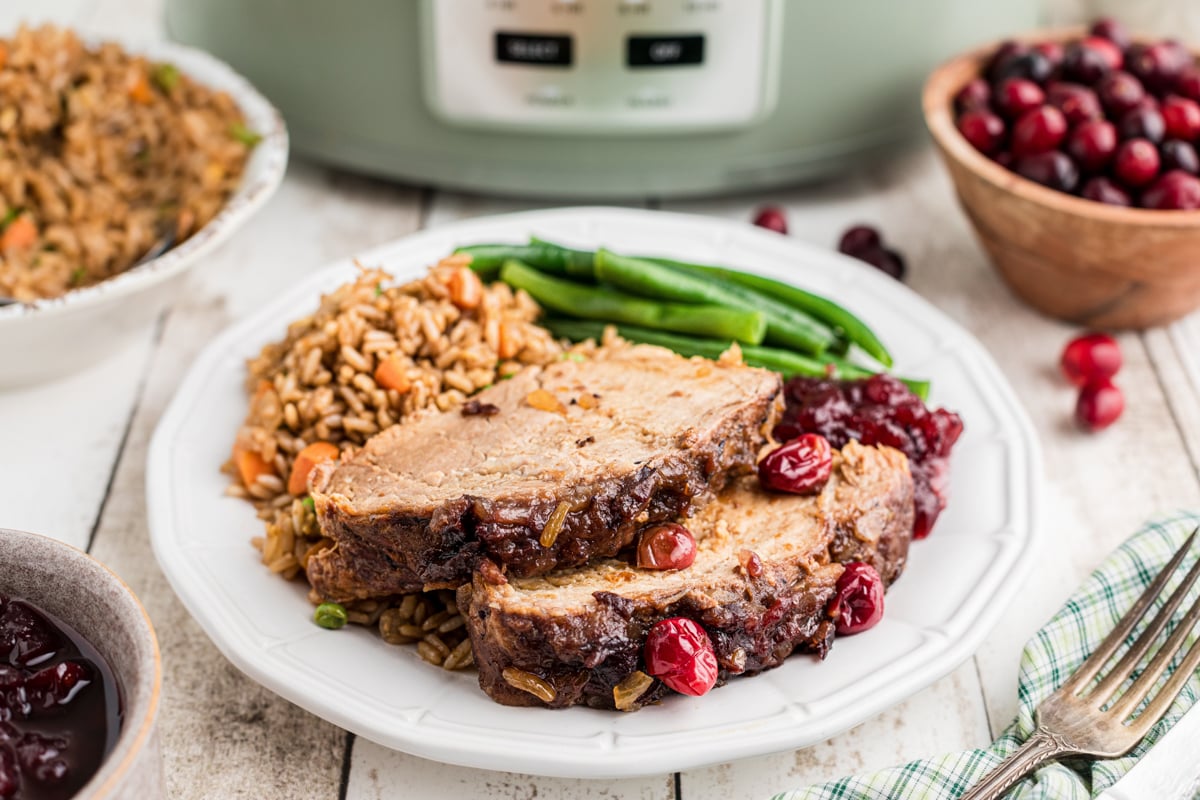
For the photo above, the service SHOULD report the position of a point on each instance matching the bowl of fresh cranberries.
(1074, 155)
(79, 678)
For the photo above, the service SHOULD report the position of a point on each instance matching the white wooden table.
(75, 450)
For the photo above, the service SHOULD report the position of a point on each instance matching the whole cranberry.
(1084, 64)
(1142, 123)
(1005, 159)
(1111, 29)
(1090, 357)
(1030, 65)
(1176, 154)
(1120, 92)
(1003, 53)
(976, 94)
(1099, 405)
(884, 259)
(666, 546)
(860, 238)
(772, 218)
(1182, 118)
(1015, 96)
(1158, 65)
(1103, 190)
(983, 129)
(1174, 191)
(1136, 162)
(679, 653)
(857, 603)
(1052, 168)
(1092, 144)
(1038, 130)
(1053, 51)
(1077, 103)
(801, 466)
(1111, 53)
(1188, 83)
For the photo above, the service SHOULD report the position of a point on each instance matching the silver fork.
(1074, 720)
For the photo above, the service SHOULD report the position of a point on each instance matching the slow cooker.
(595, 99)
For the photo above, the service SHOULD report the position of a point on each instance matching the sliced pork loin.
(551, 469)
(571, 637)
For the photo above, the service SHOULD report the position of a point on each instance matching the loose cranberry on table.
(1100, 404)
(666, 546)
(857, 603)
(1091, 357)
(1174, 191)
(801, 466)
(679, 653)
(864, 243)
(772, 218)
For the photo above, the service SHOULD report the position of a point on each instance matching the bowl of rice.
(122, 167)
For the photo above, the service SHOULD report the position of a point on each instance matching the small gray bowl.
(90, 597)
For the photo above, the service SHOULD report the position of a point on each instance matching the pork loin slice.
(574, 635)
(593, 449)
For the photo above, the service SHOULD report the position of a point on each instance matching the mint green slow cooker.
(595, 99)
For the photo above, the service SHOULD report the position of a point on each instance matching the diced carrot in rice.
(250, 465)
(306, 459)
(390, 375)
(139, 87)
(21, 234)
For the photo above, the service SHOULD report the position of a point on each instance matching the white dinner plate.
(957, 583)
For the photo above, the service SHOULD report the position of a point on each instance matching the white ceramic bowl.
(49, 338)
(90, 597)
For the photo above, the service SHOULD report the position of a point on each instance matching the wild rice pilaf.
(372, 354)
(101, 154)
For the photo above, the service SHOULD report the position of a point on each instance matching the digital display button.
(533, 49)
(664, 51)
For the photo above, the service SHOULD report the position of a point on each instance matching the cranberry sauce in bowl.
(60, 705)
(878, 410)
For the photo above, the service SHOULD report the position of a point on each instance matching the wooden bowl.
(1084, 262)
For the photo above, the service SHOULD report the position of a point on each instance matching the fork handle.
(1039, 748)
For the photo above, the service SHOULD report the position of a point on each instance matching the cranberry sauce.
(878, 410)
(60, 709)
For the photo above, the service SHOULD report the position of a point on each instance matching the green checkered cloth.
(1049, 658)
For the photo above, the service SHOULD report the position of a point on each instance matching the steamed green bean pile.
(693, 309)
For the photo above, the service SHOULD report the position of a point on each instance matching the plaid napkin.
(1053, 653)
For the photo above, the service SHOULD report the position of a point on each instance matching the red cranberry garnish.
(1077, 103)
(1136, 163)
(983, 129)
(976, 94)
(1179, 155)
(679, 653)
(1103, 190)
(666, 546)
(1090, 357)
(1182, 118)
(858, 239)
(1111, 29)
(1092, 144)
(772, 218)
(1111, 53)
(1038, 131)
(750, 563)
(1120, 92)
(1174, 191)
(801, 466)
(1158, 65)
(1100, 404)
(1052, 168)
(857, 603)
(1084, 64)
(1018, 95)
(1142, 123)
(1188, 83)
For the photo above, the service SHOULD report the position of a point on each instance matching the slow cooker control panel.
(601, 66)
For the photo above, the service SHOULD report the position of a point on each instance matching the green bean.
(819, 307)
(487, 259)
(784, 362)
(330, 615)
(607, 305)
(785, 325)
